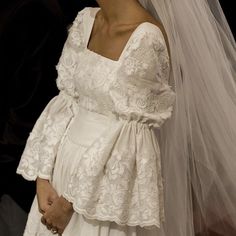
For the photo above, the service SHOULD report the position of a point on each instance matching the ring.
(54, 231)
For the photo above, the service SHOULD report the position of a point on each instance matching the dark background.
(229, 10)
(70, 8)
(32, 34)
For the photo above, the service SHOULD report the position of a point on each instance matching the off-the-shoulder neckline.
(92, 15)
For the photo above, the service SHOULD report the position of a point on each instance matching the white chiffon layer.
(95, 141)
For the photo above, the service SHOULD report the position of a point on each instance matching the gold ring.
(54, 231)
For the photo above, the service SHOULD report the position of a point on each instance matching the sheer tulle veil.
(198, 143)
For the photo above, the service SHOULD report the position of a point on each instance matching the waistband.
(87, 126)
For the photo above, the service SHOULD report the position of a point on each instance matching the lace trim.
(119, 178)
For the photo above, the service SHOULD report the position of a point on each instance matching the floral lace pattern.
(142, 93)
(39, 154)
(118, 178)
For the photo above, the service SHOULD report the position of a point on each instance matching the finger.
(41, 211)
(49, 226)
(60, 231)
(43, 220)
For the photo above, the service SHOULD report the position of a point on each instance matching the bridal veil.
(198, 144)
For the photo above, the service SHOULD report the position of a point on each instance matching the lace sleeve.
(69, 57)
(119, 176)
(142, 92)
(40, 151)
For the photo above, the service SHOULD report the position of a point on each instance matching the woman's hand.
(46, 194)
(58, 216)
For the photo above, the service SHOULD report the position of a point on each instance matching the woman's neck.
(119, 11)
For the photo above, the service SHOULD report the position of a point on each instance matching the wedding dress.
(96, 141)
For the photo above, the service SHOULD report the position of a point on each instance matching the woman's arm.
(46, 194)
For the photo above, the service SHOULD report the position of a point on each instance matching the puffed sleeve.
(142, 92)
(40, 151)
(119, 176)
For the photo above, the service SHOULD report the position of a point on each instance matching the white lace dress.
(95, 141)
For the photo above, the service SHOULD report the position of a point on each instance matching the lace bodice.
(135, 91)
(141, 71)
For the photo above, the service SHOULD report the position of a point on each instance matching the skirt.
(82, 130)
